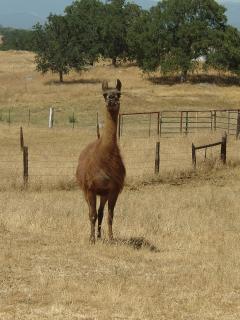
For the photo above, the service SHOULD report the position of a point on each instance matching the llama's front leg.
(91, 200)
(111, 204)
(103, 201)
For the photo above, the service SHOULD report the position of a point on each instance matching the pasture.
(176, 251)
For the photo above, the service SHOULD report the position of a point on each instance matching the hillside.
(24, 86)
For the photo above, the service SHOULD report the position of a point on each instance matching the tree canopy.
(85, 25)
(52, 46)
(118, 17)
(226, 54)
(169, 38)
(177, 32)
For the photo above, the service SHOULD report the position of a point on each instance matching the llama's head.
(112, 96)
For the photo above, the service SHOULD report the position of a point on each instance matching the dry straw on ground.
(176, 253)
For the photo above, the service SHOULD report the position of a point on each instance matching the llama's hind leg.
(103, 201)
(91, 200)
(111, 204)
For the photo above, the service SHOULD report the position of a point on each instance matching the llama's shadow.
(135, 243)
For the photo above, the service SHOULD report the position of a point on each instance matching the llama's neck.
(109, 135)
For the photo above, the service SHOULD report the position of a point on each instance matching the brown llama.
(100, 170)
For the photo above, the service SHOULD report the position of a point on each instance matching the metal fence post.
(194, 160)
(98, 131)
(9, 117)
(211, 121)
(238, 125)
(149, 127)
(181, 122)
(25, 166)
(186, 124)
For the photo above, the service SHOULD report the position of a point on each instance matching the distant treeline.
(16, 39)
(173, 37)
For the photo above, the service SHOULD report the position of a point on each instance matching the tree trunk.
(114, 61)
(184, 75)
(61, 76)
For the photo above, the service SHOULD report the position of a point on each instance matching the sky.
(36, 7)
(38, 10)
(41, 7)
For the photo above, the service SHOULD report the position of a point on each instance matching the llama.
(100, 170)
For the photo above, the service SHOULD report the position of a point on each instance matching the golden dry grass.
(176, 253)
(21, 86)
(187, 265)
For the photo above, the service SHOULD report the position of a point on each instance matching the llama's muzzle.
(112, 104)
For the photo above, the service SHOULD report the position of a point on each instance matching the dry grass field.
(176, 251)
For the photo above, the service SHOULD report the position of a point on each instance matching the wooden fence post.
(51, 118)
(238, 125)
(157, 158)
(25, 166)
(98, 132)
(224, 149)
(21, 138)
(194, 160)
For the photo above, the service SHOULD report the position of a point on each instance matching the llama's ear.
(104, 85)
(118, 85)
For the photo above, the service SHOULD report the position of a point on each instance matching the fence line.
(165, 123)
(150, 157)
(155, 159)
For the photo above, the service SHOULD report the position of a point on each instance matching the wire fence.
(55, 160)
(164, 123)
(140, 159)
(75, 118)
